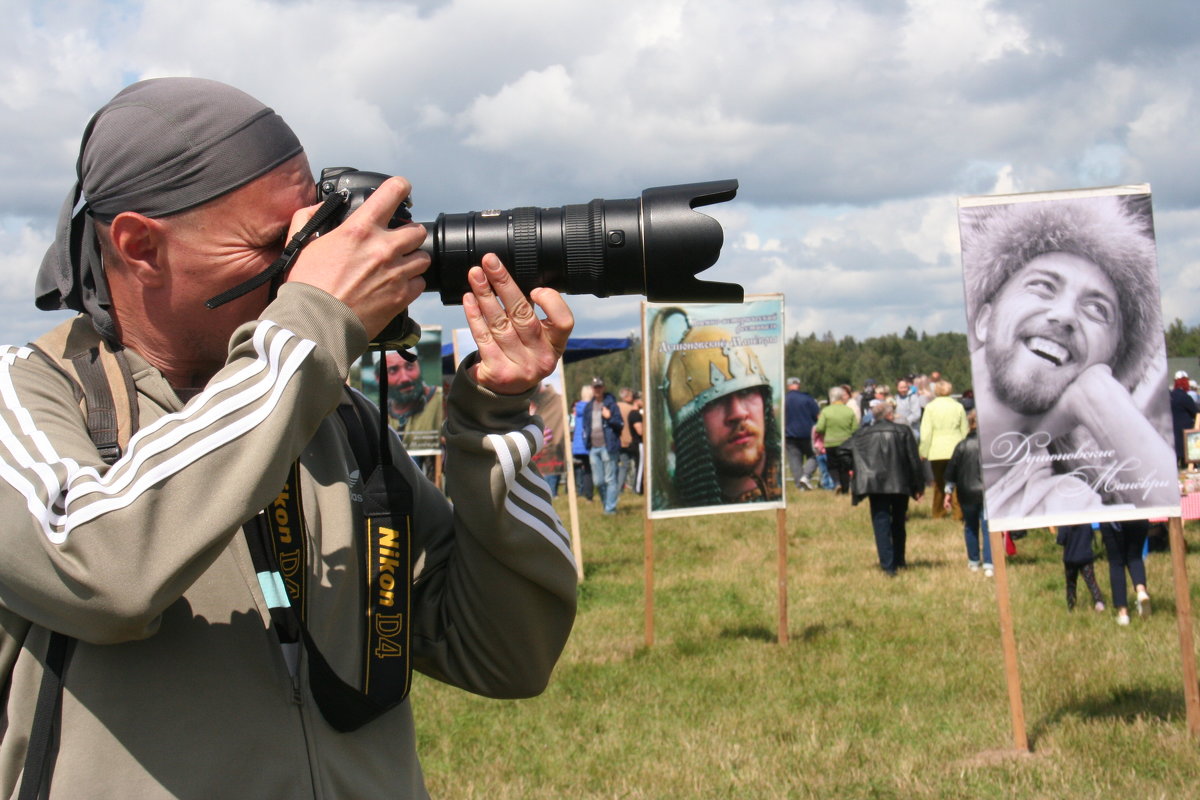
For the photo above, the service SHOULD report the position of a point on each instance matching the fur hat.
(999, 240)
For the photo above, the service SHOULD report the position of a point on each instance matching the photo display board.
(713, 406)
(550, 403)
(1064, 325)
(415, 399)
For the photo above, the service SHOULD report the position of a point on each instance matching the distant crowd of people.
(888, 447)
(885, 446)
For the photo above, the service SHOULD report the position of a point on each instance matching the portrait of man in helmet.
(717, 418)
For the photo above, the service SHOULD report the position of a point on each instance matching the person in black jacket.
(964, 476)
(887, 471)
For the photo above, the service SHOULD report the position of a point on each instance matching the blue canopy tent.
(578, 349)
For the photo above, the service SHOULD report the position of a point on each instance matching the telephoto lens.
(653, 245)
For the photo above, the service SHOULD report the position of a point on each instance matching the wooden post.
(1009, 643)
(781, 532)
(649, 564)
(572, 491)
(1183, 618)
(573, 508)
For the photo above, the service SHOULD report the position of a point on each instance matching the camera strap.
(277, 542)
(332, 204)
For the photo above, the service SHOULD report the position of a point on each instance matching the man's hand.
(374, 270)
(516, 348)
(1079, 401)
(1097, 402)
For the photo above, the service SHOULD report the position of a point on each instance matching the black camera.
(652, 245)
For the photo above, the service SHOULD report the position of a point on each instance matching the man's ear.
(983, 318)
(139, 242)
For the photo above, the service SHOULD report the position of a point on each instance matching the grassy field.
(888, 688)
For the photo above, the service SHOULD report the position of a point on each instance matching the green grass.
(887, 688)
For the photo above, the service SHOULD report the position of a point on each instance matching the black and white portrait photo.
(1068, 358)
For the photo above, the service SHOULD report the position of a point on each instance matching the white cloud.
(21, 251)
(941, 38)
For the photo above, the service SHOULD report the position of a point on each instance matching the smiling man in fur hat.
(1065, 333)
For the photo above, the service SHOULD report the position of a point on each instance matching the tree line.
(822, 362)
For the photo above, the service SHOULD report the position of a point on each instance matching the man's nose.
(1063, 310)
(738, 406)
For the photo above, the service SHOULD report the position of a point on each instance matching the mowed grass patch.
(888, 688)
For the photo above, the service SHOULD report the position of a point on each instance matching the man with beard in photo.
(727, 443)
(1066, 344)
(735, 427)
(413, 405)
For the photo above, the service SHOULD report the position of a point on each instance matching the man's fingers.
(383, 202)
(516, 348)
(517, 309)
(480, 330)
(488, 303)
(559, 321)
(301, 218)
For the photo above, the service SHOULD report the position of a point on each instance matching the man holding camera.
(182, 653)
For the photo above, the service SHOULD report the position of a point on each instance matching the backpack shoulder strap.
(102, 381)
(39, 755)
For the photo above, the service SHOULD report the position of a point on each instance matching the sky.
(852, 127)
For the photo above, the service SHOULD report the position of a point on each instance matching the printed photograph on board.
(414, 394)
(714, 378)
(550, 403)
(1064, 325)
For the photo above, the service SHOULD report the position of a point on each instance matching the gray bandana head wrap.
(159, 147)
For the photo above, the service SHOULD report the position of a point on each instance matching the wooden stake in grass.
(1009, 643)
(781, 535)
(572, 500)
(649, 568)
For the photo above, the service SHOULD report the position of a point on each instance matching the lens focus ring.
(525, 247)
(584, 227)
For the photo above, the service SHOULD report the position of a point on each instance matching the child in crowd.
(1078, 558)
(826, 480)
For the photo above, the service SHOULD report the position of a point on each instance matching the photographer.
(184, 677)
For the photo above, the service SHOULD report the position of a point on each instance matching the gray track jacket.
(177, 687)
